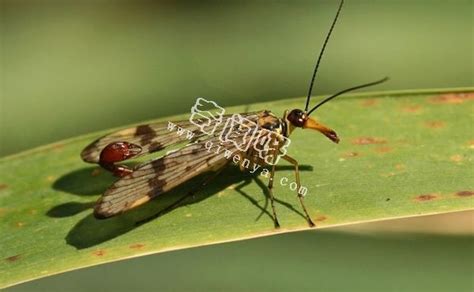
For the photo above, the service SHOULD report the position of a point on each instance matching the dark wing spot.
(147, 134)
(143, 129)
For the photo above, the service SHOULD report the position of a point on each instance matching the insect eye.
(297, 117)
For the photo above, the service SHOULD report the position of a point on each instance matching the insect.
(141, 183)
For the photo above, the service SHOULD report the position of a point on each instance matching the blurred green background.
(73, 67)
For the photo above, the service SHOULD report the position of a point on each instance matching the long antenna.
(346, 90)
(320, 56)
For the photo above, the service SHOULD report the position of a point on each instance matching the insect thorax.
(269, 121)
(272, 136)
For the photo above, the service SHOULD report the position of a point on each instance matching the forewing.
(150, 137)
(153, 137)
(158, 176)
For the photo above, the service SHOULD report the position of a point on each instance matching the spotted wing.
(155, 136)
(158, 176)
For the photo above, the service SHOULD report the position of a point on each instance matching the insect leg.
(116, 170)
(272, 199)
(183, 198)
(298, 184)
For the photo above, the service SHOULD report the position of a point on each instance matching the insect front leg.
(298, 184)
(116, 152)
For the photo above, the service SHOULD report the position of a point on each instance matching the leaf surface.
(401, 154)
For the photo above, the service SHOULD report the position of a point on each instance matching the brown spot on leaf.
(96, 172)
(426, 197)
(384, 149)
(368, 140)
(13, 258)
(435, 124)
(58, 146)
(136, 246)
(453, 98)
(99, 252)
(369, 102)
(50, 178)
(456, 158)
(412, 109)
(19, 224)
(3, 186)
(465, 193)
(471, 144)
(320, 218)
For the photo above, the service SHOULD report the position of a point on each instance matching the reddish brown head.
(300, 119)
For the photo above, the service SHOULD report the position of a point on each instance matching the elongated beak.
(313, 124)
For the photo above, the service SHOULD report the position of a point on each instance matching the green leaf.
(401, 154)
